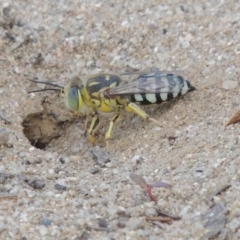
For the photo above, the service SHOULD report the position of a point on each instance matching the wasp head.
(72, 94)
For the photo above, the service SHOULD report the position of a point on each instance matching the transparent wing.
(156, 82)
(156, 71)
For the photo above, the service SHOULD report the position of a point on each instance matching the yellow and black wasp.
(108, 92)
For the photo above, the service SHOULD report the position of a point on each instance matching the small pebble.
(77, 148)
(24, 227)
(136, 159)
(55, 232)
(51, 171)
(45, 222)
(49, 156)
(123, 214)
(121, 224)
(43, 230)
(81, 63)
(61, 160)
(71, 193)
(229, 84)
(2, 178)
(22, 154)
(100, 156)
(185, 44)
(81, 221)
(94, 170)
(17, 70)
(102, 223)
(36, 184)
(112, 211)
(4, 118)
(151, 212)
(60, 187)
(5, 137)
(7, 11)
(234, 224)
(134, 223)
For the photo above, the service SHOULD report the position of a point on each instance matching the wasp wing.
(153, 83)
(153, 71)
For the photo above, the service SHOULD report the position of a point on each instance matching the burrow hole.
(41, 128)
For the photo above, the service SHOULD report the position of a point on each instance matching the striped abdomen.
(160, 87)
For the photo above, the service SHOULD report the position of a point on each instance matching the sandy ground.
(70, 189)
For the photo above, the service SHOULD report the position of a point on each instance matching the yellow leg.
(133, 107)
(110, 128)
(92, 128)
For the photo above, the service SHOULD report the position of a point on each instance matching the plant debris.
(219, 191)
(162, 217)
(234, 119)
(147, 186)
(5, 195)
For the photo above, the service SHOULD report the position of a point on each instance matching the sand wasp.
(109, 93)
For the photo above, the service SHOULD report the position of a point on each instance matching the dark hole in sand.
(41, 128)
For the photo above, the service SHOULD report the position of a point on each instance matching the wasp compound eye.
(72, 98)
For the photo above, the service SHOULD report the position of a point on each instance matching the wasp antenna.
(47, 83)
(47, 89)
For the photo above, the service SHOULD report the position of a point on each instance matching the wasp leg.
(109, 131)
(92, 128)
(131, 107)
